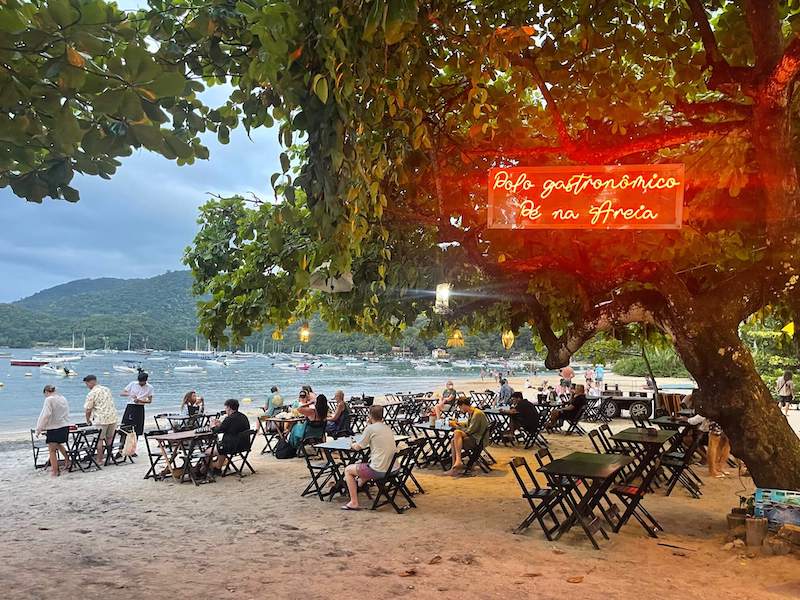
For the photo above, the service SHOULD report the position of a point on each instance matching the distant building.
(439, 354)
(401, 351)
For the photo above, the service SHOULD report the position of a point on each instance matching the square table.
(598, 472)
(190, 446)
(273, 435)
(437, 449)
(81, 448)
(671, 423)
(181, 422)
(334, 468)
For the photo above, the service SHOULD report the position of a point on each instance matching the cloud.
(135, 225)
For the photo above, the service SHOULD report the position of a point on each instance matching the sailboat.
(75, 348)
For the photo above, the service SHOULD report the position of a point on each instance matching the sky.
(135, 225)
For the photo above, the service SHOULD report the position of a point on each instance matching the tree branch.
(777, 87)
(620, 148)
(714, 57)
(641, 306)
(764, 21)
(528, 61)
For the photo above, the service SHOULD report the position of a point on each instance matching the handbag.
(285, 450)
(129, 448)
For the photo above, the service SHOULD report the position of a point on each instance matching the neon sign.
(596, 197)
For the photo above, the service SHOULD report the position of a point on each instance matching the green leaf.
(284, 162)
(11, 21)
(171, 83)
(148, 136)
(321, 89)
(401, 16)
(374, 19)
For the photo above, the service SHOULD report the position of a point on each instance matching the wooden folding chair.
(237, 461)
(542, 500)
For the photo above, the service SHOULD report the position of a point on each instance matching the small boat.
(155, 358)
(234, 361)
(303, 367)
(58, 370)
(28, 363)
(189, 369)
(125, 369)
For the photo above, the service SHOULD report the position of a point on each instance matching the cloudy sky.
(135, 225)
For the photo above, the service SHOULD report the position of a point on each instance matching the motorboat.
(58, 370)
(55, 356)
(28, 363)
(189, 369)
(303, 367)
(125, 369)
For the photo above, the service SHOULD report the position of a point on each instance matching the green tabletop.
(587, 465)
(636, 435)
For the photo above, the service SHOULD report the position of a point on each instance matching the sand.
(110, 534)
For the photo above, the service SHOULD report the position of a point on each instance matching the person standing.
(599, 375)
(504, 393)
(785, 388)
(139, 393)
(54, 421)
(101, 413)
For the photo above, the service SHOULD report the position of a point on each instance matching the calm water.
(21, 397)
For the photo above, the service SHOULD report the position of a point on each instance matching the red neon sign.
(595, 197)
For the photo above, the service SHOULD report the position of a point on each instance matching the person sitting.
(192, 404)
(379, 438)
(571, 411)
(235, 430)
(315, 415)
(523, 415)
(467, 437)
(275, 404)
(504, 393)
(339, 422)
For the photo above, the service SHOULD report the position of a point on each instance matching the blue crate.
(780, 507)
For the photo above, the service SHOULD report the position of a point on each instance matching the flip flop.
(345, 507)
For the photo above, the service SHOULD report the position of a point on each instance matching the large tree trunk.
(733, 394)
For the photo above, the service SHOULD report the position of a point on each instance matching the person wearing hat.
(138, 393)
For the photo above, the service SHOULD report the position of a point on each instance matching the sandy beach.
(110, 534)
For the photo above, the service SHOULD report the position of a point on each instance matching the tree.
(405, 106)
(392, 111)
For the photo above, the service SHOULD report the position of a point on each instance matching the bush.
(665, 363)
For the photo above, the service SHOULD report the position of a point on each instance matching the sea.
(21, 395)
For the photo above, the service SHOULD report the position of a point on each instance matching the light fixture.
(442, 305)
(277, 335)
(305, 333)
(456, 339)
(508, 339)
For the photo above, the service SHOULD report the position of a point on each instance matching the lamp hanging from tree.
(304, 333)
(456, 339)
(508, 339)
(442, 304)
(277, 335)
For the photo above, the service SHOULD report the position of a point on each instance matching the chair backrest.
(605, 433)
(543, 456)
(596, 439)
(522, 471)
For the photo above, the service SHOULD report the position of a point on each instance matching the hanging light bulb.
(508, 339)
(442, 305)
(305, 333)
(456, 339)
(277, 335)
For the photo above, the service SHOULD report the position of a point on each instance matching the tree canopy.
(391, 113)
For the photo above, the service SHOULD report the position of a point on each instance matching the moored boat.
(28, 363)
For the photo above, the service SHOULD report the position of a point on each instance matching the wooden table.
(189, 446)
(597, 472)
(437, 450)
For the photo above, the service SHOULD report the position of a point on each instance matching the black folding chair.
(679, 466)
(111, 455)
(631, 493)
(477, 455)
(394, 482)
(574, 422)
(39, 447)
(237, 461)
(322, 473)
(153, 453)
(542, 500)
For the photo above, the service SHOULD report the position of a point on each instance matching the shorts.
(57, 436)
(107, 431)
(367, 473)
(785, 400)
(469, 443)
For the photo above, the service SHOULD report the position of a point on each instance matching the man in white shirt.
(379, 438)
(139, 393)
(100, 412)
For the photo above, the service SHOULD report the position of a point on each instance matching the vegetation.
(664, 362)
(401, 107)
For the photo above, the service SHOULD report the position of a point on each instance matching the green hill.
(159, 312)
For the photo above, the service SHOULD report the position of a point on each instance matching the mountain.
(160, 312)
(157, 311)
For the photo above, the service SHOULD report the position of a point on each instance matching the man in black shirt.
(235, 430)
(523, 415)
(572, 410)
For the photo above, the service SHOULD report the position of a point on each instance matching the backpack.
(285, 450)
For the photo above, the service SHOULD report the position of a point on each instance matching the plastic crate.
(780, 507)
